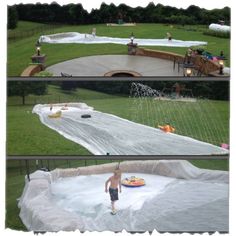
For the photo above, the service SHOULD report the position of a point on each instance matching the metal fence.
(33, 100)
(26, 166)
(17, 35)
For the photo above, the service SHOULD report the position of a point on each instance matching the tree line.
(76, 14)
(216, 90)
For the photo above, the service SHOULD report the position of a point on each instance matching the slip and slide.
(107, 134)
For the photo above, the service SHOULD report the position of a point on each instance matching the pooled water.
(164, 203)
(86, 194)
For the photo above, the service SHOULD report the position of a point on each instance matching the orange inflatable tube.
(167, 128)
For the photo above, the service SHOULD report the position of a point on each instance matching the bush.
(44, 74)
(218, 34)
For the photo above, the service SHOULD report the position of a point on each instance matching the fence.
(27, 166)
(33, 100)
(17, 35)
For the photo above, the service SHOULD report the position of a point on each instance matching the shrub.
(44, 74)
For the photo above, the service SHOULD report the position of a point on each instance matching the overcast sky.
(89, 4)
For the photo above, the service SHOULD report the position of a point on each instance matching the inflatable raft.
(55, 115)
(167, 128)
(133, 182)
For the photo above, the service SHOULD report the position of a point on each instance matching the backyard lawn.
(205, 120)
(21, 49)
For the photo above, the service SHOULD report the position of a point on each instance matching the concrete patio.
(102, 64)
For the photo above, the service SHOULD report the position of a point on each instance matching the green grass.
(24, 26)
(205, 120)
(16, 173)
(20, 51)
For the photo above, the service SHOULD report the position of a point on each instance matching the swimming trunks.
(113, 194)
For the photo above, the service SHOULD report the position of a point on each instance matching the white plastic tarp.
(104, 134)
(220, 28)
(74, 37)
(177, 197)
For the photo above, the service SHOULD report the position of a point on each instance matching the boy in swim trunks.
(115, 182)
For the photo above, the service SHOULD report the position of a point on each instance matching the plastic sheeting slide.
(105, 134)
(74, 37)
(177, 197)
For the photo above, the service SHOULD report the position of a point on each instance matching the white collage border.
(3, 61)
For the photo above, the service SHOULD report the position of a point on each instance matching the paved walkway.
(99, 65)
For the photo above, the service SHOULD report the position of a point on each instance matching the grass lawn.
(23, 26)
(205, 120)
(16, 173)
(20, 51)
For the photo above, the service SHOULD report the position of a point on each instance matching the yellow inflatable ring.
(133, 182)
(55, 115)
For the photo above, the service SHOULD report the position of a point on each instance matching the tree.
(76, 14)
(23, 89)
(12, 17)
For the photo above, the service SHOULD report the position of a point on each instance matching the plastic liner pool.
(177, 197)
(104, 134)
(74, 37)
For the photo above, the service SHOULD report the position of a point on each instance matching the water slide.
(75, 37)
(105, 133)
(177, 197)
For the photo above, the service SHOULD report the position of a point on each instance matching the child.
(169, 36)
(94, 32)
(65, 107)
(115, 181)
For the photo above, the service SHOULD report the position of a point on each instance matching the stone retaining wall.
(31, 70)
(203, 65)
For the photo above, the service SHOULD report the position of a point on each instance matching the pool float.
(167, 128)
(55, 115)
(86, 116)
(133, 182)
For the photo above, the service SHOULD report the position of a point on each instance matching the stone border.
(204, 66)
(31, 70)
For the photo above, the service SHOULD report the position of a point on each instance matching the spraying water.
(201, 119)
